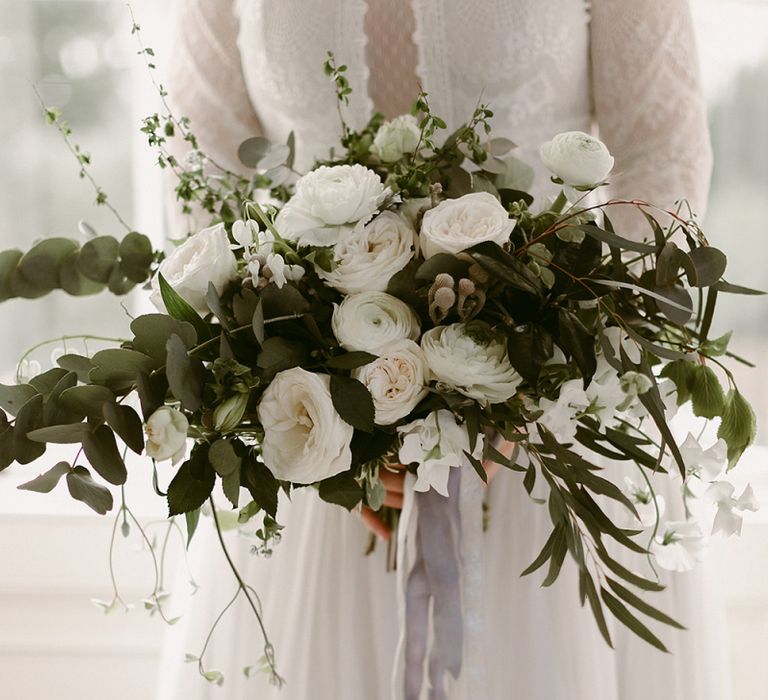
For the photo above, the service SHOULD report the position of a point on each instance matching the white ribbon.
(439, 563)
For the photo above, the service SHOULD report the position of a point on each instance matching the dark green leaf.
(477, 465)
(152, 331)
(118, 368)
(353, 402)
(622, 614)
(639, 604)
(544, 554)
(136, 257)
(261, 484)
(350, 360)
(579, 343)
(14, 396)
(559, 550)
(39, 267)
(29, 418)
(676, 297)
(723, 286)
(252, 150)
(192, 518)
(126, 424)
(285, 301)
(97, 258)
(45, 483)
(528, 349)
(342, 489)
(72, 433)
(179, 309)
(710, 264)
(597, 608)
(101, 451)
(506, 268)
(46, 381)
(191, 486)
(616, 241)
(442, 262)
(184, 374)
(681, 373)
(78, 364)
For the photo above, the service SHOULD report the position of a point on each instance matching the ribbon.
(439, 591)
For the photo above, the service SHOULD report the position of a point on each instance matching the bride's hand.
(393, 480)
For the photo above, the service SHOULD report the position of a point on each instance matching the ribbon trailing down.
(440, 580)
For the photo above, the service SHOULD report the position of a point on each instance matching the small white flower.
(729, 518)
(396, 138)
(646, 504)
(305, 440)
(635, 383)
(457, 224)
(679, 546)
(435, 444)
(203, 258)
(560, 416)
(604, 392)
(328, 201)
(166, 431)
(368, 257)
(470, 359)
(618, 338)
(578, 159)
(372, 321)
(397, 380)
(707, 464)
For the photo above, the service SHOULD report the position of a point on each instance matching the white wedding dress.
(626, 67)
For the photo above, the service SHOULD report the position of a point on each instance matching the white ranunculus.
(328, 201)
(166, 431)
(202, 258)
(305, 440)
(372, 321)
(457, 224)
(435, 443)
(368, 257)
(650, 508)
(468, 358)
(397, 380)
(397, 137)
(578, 159)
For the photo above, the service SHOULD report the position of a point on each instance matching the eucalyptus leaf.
(29, 418)
(184, 374)
(73, 433)
(83, 488)
(97, 258)
(126, 424)
(46, 482)
(14, 396)
(101, 452)
(709, 263)
(152, 331)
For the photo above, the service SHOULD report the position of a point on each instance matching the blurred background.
(82, 58)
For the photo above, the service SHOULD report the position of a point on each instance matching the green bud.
(228, 414)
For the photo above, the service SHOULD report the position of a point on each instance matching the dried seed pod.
(478, 274)
(442, 302)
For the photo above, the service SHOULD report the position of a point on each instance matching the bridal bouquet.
(405, 301)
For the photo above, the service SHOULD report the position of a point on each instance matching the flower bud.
(228, 414)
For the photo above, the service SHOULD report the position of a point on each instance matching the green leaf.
(353, 402)
(597, 608)
(261, 484)
(7, 455)
(118, 368)
(615, 240)
(46, 381)
(192, 485)
(39, 267)
(192, 518)
(251, 510)
(677, 305)
(184, 374)
(179, 309)
(285, 301)
(544, 554)
(227, 464)
(152, 331)
(559, 550)
(622, 614)
(342, 489)
(717, 346)
(46, 482)
(738, 427)
(350, 360)
(83, 488)
(14, 396)
(127, 424)
(477, 465)
(681, 373)
(101, 451)
(709, 263)
(639, 604)
(723, 286)
(87, 399)
(505, 267)
(136, 257)
(78, 364)
(440, 263)
(9, 259)
(257, 323)
(252, 150)
(97, 258)
(528, 349)
(29, 418)
(579, 343)
(72, 433)
(707, 394)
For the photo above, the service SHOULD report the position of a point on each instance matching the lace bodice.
(625, 67)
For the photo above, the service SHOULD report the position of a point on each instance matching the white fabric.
(543, 67)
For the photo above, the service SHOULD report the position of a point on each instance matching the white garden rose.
(367, 258)
(457, 224)
(397, 380)
(202, 258)
(166, 431)
(578, 159)
(372, 321)
(471, 360)
(328, 201)
(436, 443)
(397, 137)
(305, 440)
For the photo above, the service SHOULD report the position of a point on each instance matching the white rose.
(578, 159)
(468, 358)
(436, 443)
(305, 440)
(328, 201)
(202, 258)
(397, 381)
(166, 432)
(368, 258)
(457, 224)
(372, 321)
(396, 138)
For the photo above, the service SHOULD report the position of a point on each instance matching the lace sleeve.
(648, 103)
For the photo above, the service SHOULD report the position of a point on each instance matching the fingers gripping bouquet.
(399, 303)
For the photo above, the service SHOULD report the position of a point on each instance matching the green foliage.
(739, 425)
